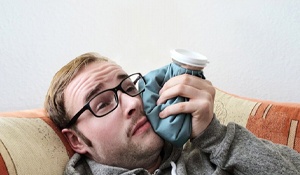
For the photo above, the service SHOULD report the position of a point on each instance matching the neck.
(155, 166)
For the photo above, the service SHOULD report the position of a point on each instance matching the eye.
(103, 104)
(130, 88)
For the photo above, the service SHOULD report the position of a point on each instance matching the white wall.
(253, 46)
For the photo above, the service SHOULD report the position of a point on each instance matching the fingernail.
(161, 115)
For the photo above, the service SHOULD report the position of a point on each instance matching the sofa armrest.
(275, 121)
(30, 143)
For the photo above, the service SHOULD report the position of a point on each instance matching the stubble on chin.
(137, 152)
(139, 155)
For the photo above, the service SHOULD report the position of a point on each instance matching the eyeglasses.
(106, 101)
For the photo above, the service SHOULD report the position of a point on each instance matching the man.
(100, 111)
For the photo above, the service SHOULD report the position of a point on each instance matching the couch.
(31, 144)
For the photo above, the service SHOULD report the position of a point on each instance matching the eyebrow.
(94, 91)
(99, 86)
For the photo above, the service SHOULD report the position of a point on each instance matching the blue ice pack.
(175, 129)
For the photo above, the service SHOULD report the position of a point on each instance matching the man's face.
(122, 138)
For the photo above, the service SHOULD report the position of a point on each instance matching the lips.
(140, 125)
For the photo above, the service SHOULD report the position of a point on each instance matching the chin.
(156, 139)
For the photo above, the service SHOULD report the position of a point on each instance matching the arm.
(232, 148)
(235, 149)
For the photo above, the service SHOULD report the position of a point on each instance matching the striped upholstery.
(278, 122)
(31, 144)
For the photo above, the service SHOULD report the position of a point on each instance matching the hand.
(201, 96)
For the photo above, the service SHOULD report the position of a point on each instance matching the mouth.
(141, 126)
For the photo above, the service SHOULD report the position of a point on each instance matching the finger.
(175, 91)
(188, 80)
(174, 109)
(186, 91)
(191, 107)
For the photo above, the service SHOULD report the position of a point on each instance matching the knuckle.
(181, 107)
(213, 92)
(206, 104)
(186, 78)
(209, 82)
(180, 87)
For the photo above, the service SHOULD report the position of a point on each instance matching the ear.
(75, 141)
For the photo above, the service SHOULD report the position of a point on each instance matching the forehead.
(100, 75)
(103, 69)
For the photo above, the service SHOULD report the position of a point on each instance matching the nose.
(129, 105)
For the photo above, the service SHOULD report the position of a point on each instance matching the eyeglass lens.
(107, 101)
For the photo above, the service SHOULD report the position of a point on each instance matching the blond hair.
(54, 101)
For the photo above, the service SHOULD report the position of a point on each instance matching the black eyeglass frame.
(115, 90)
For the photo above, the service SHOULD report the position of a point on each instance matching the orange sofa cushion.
(278, 122)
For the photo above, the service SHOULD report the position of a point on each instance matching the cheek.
(105, 130)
